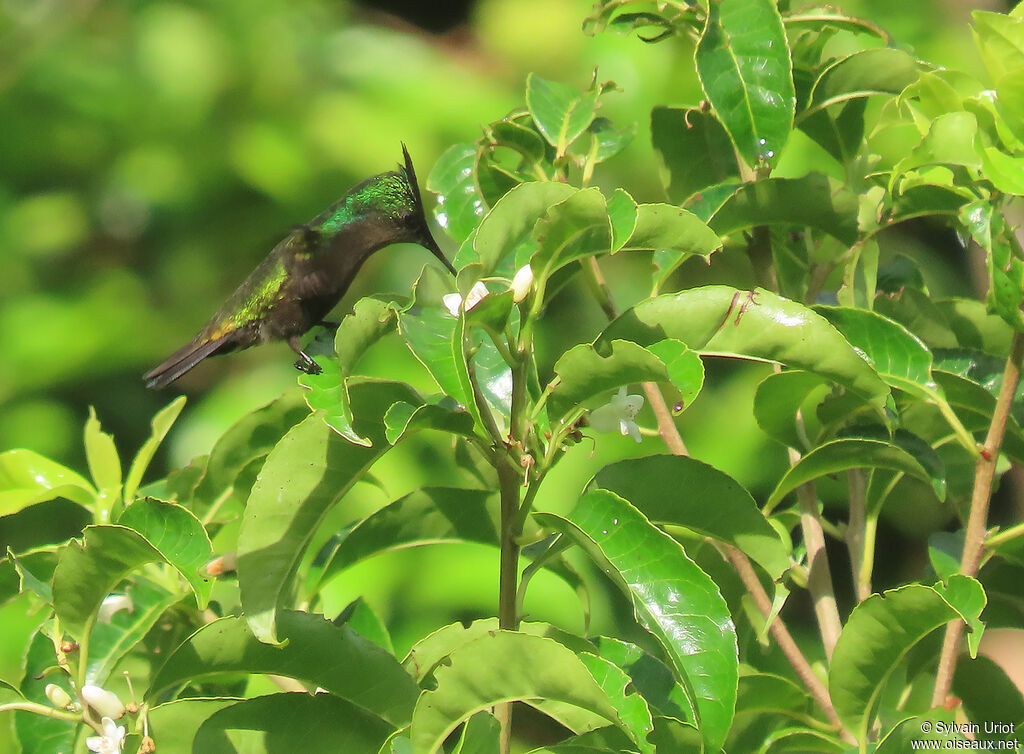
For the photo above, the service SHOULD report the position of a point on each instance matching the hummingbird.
(308, 272)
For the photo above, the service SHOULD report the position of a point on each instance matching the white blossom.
(453, 301)
(618, 415)
(112, 740)
(522, 283)
(113, 604)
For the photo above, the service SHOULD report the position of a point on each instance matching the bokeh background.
(151, 153)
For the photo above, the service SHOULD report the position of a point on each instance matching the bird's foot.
(307, 365)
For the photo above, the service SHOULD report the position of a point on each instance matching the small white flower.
(453, 301)
(113, 604)
(522, 283)
(618, 415)
(112, 740)
(103, 701)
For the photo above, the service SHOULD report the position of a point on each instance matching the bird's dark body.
(308, 272)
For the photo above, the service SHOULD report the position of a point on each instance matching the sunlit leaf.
(159, 426)
(460, 205)
(27, 478)
(694, 148)
(562, 113)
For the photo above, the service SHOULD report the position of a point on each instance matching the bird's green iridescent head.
(388, 196)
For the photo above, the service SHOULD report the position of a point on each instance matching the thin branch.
(974, 539)
(856, 535)
(42, 709)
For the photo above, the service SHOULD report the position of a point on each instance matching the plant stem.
(42, 709)
(782, 636)
(974, 539)
(819, 576)
(508, 575)
(856, 534)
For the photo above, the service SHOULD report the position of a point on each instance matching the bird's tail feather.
(181, 361)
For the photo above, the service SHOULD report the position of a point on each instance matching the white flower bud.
(522, 283)
(103, 701)
(58, 697)
(475, 295)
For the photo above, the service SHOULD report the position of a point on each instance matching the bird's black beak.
(427, 241)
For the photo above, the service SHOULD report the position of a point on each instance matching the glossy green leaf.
(430, 515)
(685, 492)
(252, 437)
(315, 651)
(866, 73)
(922, 730)
(159, 427)
(842, 455)
(583, 373)
(950, 140)
(509, 223)
(436, 339)
(745, 70)
(35, 733)
(104, 465)
(110, 641)
(327, 395)
(502, 666)
(814, 201)
(307, 472)
(460, 205)
(29, 581)
(877, 636)
(27, 478)
(179, 537)
(445, 415)
(778, 399)
(989, 697)
(722, 321)
(766, 692)
(674, 235)
(174, 724)
(606, 141)
(801, 740)
(517, 132)
(1003, 170)
(630, 706)
(672, 598)
(88, 570)
(371, 319)
(975, 327)
(275, 724)
(569, 230)
(561, 112)
(652, 679)
(622, 212)
(694, 149)
(1005, 268)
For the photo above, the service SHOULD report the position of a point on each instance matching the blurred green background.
(151, 154)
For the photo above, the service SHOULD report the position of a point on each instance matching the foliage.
(209, 589)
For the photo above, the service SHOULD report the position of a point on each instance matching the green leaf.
(27, 478)
(745, 71)
(430, 515)
(432, 649)
(842, 455)
(159, 425)
(685, 492)
(778, 399)
(402, 419)
(652, 679)
(104, 465)
(436, 339)
(35, 733)
(622, 212)
(88, 570)
(561, 112)
(1003, 170)
(360, 617)
(1005, 268)
(502, 666)
(989, 696)
(606, 141)
(814, 201)
(921, 729)
(174, 724)
(510, 222)
(316, 467)
(370, 320)
(631, 707)
(251, 438)
(950, 140)
(975, 327)
(110, 642)
(27, 580)
(673, 234)
(722, 321)
(866, 73)
(694, 149)
(569, 230)
(274, 724)
(672, 598)
(877, 636)
(314, 651)
(460, 205)
(480, 735)
(178, 536)
(583, 373)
